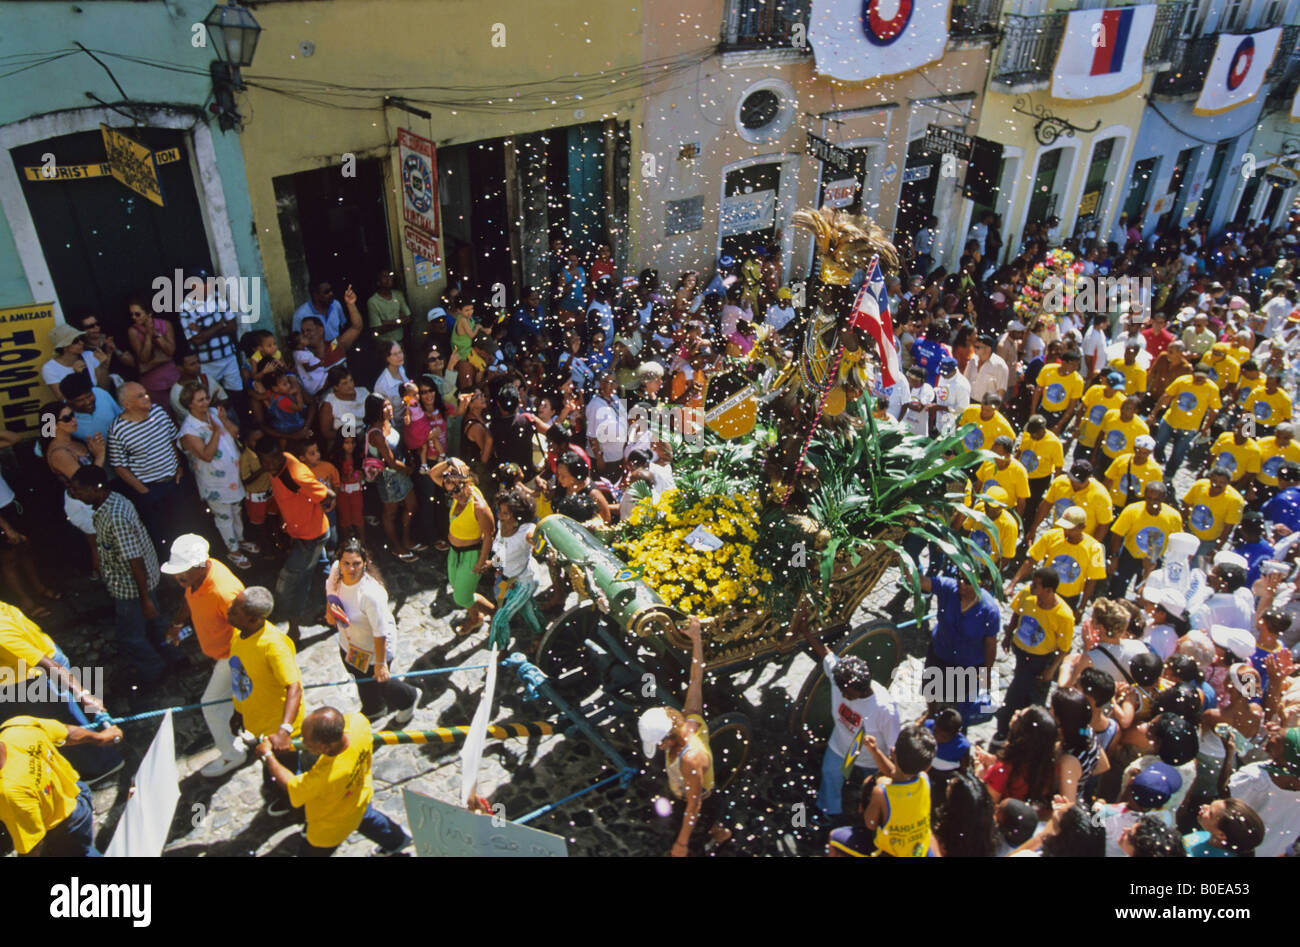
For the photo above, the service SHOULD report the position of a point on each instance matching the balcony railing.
(1029, 47)
(975, 18)
(1285, 53)
(764, 24)
(1188, 60)
(1164, 32)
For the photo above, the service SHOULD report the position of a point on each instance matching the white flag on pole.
(471, 755)
(156, 789)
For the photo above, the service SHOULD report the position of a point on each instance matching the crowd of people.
(1152, 621)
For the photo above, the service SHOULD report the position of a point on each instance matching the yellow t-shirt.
(1075, 563)
(261, 667)
(1059, 387)
(1208, 516)
(984, 433)
(1096, 405)
(337, 789)
(1144, 534)
(21, 640)
(1042, 630)
(1001, 546)
(1127, 479)
(1269, 409)
(1014, 479)
(1093, 498)
(1118, 436)
(38, 787)
(1135, 376)
(1189, 402)
(1240, 459)
(1247, 385)
(1042, 457)
(1224, 372)
(1272, 457)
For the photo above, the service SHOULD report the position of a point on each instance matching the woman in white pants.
(207, 436)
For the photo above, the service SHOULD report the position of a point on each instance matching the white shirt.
(369, 613)
(875, 716)
(1278, 808)
(1236, 610)
(1094, 351)
(778, 317)
(1162, 639)
(1124, 653)
(390, 387)
(342, 409)
(511, 554)
(955, 393)
(606, 428)
(987, 377)
(918, 422)
(53, 372)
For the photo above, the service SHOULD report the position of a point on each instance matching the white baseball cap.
(654, 725)
(1172, 601)
(188, 552)
(1226, 557)
(1236, 641)
(1144, 442)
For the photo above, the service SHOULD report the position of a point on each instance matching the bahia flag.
(1101, 53)
(868, 39)
(1236, 71)
(871, 312)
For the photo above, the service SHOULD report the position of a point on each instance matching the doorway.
(1138, 189)
(1095, 188)
(102, 241)
(916, 197)
(1213, 181)
(1044, 197)
(748, 215)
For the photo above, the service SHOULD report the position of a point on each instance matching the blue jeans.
(294, 584)
(375, 826)
(140, 640)
(1182, 441)
(74, 837)
(159, 509)
(830, 794)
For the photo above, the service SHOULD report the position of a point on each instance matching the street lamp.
(234, 32)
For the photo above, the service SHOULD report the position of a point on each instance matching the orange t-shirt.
(208, 604)
(326, 473)
(300, 508)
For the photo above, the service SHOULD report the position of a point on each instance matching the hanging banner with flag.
(1101, 53)
(871, 312)
(1236, 71)
(870, 39)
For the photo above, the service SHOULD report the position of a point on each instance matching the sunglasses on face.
(67, 417)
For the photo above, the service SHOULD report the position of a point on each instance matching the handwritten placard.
(442, 830)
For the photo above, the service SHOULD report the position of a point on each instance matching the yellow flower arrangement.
(704, 583)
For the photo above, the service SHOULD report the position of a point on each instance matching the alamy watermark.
(642, 423)
(17, 687)
(235, 294)
(1090, 294)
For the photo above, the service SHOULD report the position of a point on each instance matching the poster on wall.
(419, 181)
(1101, 53)
(745, 213)
(869, 39)
(426, 271)
(422, 244)
(1236, 71)
(24, 348)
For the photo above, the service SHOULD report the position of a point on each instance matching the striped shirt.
(197, 318)
(121, 537)
(144, 447)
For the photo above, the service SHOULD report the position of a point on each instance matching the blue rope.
(624, 775)
(104, 720)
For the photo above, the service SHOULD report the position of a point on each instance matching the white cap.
(1015, 325)
(1226, 557)
(188, 552)
(654, 725)
(1198, 646)
(1171, 601)
(1144, 442)
(1236, 641)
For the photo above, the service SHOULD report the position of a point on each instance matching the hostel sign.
(132, 163)
(24, 348)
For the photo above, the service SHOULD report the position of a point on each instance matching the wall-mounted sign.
(419, 181)
(75, 172)
(420, 242)
(918, 173)
(946, 141)
(889, 173)
(745, 213)
(683, 216)
(24, 348)
(839, 193)
(823, 150)
(426, 271)
(132, 164)
(1088, 203)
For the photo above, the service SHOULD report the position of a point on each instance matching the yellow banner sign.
(1088, 203)
(132, 163)
(75, 172)
(24, 348)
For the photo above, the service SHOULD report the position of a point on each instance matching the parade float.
(809, 495)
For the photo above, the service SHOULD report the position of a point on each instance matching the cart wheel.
(563, 657)
(877, 643)
(729, 740)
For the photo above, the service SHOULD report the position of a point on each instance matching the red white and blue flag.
(856, 40)
(871, 312)
(1236, 71)
(1101, 53)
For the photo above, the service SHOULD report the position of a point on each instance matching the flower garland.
(1058, 265)
(699, 582)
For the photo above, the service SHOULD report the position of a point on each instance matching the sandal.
(407, 556)
(442, 545)
(419, 547)
(37, 611)
(466, 632)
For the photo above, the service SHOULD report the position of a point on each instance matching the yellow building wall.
(369, 48)
(1000, 122)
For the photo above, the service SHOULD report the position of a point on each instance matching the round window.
(759, 109)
